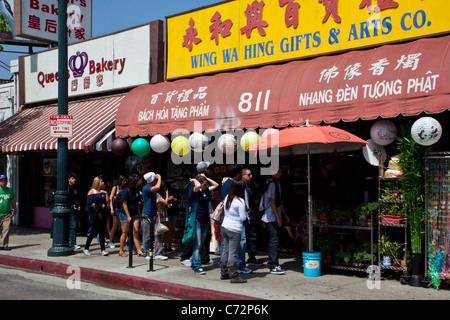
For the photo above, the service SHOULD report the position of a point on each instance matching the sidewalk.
(171, 279)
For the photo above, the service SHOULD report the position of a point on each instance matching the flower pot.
(387, 261)
(417, 270)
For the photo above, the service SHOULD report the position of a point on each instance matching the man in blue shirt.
(149, 208)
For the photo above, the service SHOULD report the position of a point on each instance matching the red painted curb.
(161, 288)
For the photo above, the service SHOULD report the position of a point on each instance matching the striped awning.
(29, 130)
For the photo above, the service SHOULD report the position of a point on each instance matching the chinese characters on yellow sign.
(245, 33)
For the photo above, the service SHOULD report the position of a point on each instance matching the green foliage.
(388, 248)
(3, 28)
(364, 209)
(412, 165)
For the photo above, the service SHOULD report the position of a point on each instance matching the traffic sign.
(61, 126)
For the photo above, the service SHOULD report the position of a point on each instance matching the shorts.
(122, 216)
(117, 212)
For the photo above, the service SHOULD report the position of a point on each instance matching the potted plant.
(412, 165)
(392, 213)
(388, 250)
(363, 212)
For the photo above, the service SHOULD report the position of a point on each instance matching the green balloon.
(140, 147)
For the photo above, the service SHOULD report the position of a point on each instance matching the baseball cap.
(202, 166)
(149, 177)
(2, 176)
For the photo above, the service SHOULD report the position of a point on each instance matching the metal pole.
(62, 211)
(310, 217)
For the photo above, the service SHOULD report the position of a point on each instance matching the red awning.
(387, 81)
(30, 128)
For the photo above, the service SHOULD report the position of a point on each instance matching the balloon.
(119, 147)
(180, 146)
(140, 147)
(249, 138)
(160, 143)
(198, 141)
(426, 131)
(227, 143)
(383, 132)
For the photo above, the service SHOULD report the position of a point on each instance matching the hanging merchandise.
(437, 199)
(426, 131)
(140, 147)
(160, 143)
(198, 141)
(383, 132)
(119, 147)
(249, 138)
(180, 146)
(227, 143)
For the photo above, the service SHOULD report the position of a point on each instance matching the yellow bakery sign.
(243, 33)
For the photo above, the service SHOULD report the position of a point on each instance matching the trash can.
(312, 264)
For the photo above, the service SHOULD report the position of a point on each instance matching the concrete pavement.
(171, 279)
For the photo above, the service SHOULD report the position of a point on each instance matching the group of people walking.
(150, 196)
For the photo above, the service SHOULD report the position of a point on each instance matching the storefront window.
(49, 179)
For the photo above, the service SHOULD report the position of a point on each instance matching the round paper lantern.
(160, 143)
(227, 143)
(383, 132)
(198, 141)
(249, 138)
(269, 131)
(426, 131)
(180, 146)
(140, 147)
(119, 147)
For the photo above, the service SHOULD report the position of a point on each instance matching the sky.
(115, 15)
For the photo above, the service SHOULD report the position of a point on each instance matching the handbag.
(189, 229)
(160, 228)
(218, 213)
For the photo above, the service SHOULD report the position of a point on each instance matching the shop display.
(437, 199)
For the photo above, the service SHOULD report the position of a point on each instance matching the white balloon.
(426, 131)
(383, 132)
(227, 143)
(198, 141)
(160, 143)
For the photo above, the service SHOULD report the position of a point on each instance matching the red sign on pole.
(61, 126)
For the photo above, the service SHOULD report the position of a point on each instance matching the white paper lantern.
(227, 143)
(198, 141)
(383, 132)
(426, 131)
(160, 143)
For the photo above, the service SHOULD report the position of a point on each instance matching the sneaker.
(277, 270)
(210, 263)
(161, 257)
(87, 252)
(111, 245)
(200, 271)
(105, 253)
(186, 262)
(245, 271)
(255, 262)
(147, 258)
(77, 247)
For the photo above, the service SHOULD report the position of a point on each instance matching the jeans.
(201, 231)
(241, 251)
(73, 225)
(231, 243)
(272, 228)
(146, 237)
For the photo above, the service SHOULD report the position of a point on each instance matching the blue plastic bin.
(312, 264)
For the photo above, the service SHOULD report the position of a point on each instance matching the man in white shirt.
(273, 210)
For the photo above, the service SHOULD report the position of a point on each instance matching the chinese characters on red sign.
(254, 18)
